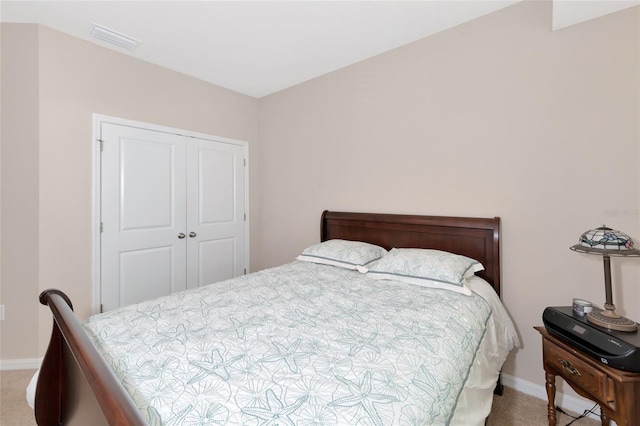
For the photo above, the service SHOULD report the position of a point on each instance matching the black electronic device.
(620, 350)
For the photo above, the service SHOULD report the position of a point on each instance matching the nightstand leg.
(551, 396)
(603, 418)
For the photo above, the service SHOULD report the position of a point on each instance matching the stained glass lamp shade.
(606, 242)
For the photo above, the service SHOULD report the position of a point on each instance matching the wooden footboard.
(75, 385)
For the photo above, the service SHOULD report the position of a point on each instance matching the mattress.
(309, 344)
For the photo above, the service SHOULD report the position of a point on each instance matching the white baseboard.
(20, 364)
(566, 402)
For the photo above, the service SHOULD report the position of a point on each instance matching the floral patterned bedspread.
(300, 344)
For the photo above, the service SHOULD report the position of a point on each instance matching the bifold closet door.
(143, 242)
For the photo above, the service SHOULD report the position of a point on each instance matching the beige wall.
(497, 117)
(19, 190)
(74, 80)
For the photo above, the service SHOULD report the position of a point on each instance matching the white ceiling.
(260, 47)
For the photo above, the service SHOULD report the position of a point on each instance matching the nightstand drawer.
(577, 372)
(617, 392)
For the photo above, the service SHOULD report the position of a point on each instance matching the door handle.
(569, 367)
(181, 235)
(192, 234)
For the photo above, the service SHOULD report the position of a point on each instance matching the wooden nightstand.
(616, 391)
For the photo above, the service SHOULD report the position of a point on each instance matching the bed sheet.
(308, 344)
(476, 398)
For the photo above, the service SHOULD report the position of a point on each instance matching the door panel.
(217, 186)
(146, 185)
(216, 259)
(143, 211)
(145, 274)
(215, 212)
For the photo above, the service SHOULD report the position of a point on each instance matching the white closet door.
(215, 211)
(143, 215)
(172, 212)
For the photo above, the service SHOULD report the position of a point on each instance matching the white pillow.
(427, 268)
(343, 253)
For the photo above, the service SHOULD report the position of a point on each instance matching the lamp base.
(611, 320)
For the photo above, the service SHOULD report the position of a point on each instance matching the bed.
(302, 343)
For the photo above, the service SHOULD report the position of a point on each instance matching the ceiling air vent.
(113, 37)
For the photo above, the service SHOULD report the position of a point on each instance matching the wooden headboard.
(477, 238)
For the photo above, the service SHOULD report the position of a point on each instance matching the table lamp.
(606, 242)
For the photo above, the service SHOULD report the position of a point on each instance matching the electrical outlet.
(1, 312)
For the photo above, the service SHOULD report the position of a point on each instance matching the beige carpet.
(513, 408)
(14, 410)
(517, 408)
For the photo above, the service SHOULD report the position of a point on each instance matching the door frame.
(96, 191)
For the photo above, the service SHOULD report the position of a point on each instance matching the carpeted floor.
(512, 409)
(516, 408)
(14, 410)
